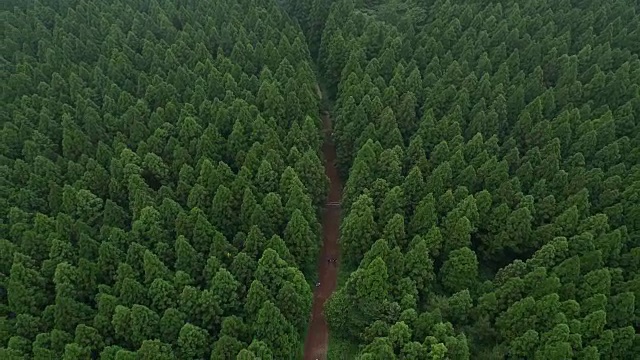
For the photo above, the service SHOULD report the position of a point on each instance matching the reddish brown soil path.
(315, 346)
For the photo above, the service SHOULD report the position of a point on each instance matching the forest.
(164, 179)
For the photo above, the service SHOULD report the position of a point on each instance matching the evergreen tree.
(272, 328)
(460, 270)
(425, 216)
(358, 230)
(300, 241)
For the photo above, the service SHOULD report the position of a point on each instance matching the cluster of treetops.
(492, 157)
(161, 178)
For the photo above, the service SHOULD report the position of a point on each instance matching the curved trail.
(315, 346)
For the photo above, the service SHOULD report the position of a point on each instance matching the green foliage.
(358, 230)
(272, 328)
(460, 271)
(162, 175)
(510, 188)
(142, 169)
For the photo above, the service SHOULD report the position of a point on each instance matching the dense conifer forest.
(163, 179)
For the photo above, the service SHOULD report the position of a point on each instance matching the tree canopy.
(150, 204)
(494, 147)
(161, 178)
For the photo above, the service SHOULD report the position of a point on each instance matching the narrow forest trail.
(316, 344)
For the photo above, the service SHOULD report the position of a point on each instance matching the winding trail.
(316, 344)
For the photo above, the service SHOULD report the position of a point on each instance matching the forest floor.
(316, 344)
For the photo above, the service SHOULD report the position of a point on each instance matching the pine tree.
(192, 342)
(225, 290)
(272, 206)
(256, 296)
(371, 289)
(247, 209)
(394, 231)
(393, 203)
(272, 328)
(222, 210)
(299, 200)
(458, 235)
(276, 243)
(425, 216)
(301, 241)
(358, 230)
(271, 270)
(312, 176)
(419, 266)
(460, 270)
(294, 301)
(187, 258)
(388, 131)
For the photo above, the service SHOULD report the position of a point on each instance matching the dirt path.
(315, 346)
